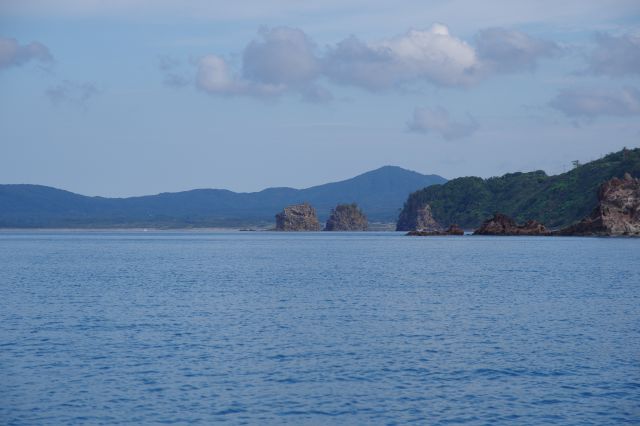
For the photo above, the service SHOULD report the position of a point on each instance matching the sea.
(261, 328)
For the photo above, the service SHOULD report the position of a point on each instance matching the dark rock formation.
(300, 217)
(452, 230)
(346, 217)
(501, 224)
(617, 212)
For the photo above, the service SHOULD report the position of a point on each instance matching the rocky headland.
(299, 217)
(501, 224)
(557, 201)
(425, 225)
(347, 217)
(617, 212)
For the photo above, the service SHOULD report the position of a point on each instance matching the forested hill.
(553, 200)
(380, 193)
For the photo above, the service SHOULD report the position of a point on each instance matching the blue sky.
(120, 98)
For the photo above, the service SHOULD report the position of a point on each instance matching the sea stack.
(299, 217)
(617, 212)
(347, 217)
(501, 224)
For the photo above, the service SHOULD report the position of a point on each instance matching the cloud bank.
(285, 60)
(12, 53)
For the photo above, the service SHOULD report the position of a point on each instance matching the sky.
(133, 97)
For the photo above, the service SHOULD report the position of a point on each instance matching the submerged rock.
(300, 217)
(452, 230)
(617, 212)
(501, 224)
(347, 217)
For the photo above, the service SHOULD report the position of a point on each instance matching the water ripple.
(126, 328)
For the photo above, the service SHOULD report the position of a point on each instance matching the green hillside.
(553, 200)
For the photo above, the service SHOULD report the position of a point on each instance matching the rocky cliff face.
(420, 220)
(300, 217)
(425, 220)
(501, 224)
(617, 212)
(346, 217)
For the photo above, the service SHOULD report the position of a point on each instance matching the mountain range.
(379, 193)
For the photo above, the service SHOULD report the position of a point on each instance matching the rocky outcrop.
(347, 217)
(617, 212)
(300, 217)
(452, 230)
(501, 224)
(421, 220)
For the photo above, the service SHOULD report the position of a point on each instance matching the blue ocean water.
(319, 328)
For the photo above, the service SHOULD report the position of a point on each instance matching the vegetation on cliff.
(556, 201)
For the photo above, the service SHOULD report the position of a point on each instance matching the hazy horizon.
(566, 167)
(140, 97)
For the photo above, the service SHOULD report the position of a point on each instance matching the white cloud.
(12, 53)
(282, 60)
(216, 78)
(590, 103)
(432, 55)
(438, 120)
(615, 56)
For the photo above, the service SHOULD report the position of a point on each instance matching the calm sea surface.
(324, 328)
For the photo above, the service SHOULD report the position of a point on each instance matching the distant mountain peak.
(380, 193)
